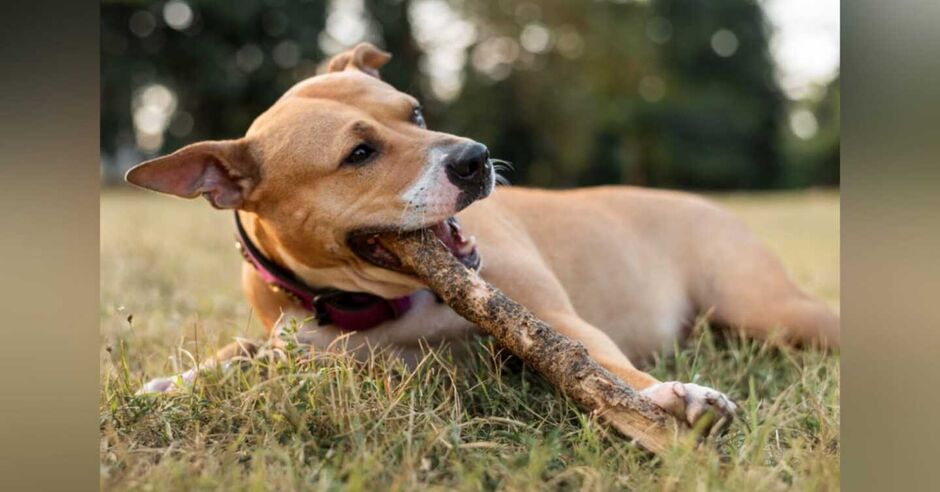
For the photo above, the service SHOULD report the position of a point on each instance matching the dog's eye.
(417, 117)
(360, 154)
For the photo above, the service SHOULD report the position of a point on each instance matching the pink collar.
(349, 311)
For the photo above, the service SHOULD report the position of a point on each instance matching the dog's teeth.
(468, 246)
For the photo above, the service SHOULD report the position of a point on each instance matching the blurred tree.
(225, 61)
(679, 94)
(717, 125)
(828, 112)
(395, 26)
(668, 93)
(812, 157)
(547, 107)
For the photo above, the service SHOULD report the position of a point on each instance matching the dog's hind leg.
(748, 288)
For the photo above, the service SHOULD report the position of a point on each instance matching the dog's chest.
(428, 321)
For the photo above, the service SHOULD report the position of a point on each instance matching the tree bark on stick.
(564, 362)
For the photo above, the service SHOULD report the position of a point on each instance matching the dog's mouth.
(367, 245)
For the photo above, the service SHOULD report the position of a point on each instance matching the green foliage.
(626, 92)
(201, 63)
(718, 124)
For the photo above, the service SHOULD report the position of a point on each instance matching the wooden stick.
(564, 362)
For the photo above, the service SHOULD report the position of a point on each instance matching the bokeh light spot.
(652, 88)
(803, 124)
(346, 23)
(569, 44)
(495, 56)
(152, 107)
(286, 54)
(178, 14)
(535, 38)
(724, 43)
(249, 58)
(659, 30)
(182, 124)
(142, 23)
(443, 36)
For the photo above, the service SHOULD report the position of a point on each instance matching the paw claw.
(678, 389)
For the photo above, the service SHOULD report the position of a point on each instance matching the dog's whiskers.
(499, 167)
(404, 221)
(502, 163)
(401, 219)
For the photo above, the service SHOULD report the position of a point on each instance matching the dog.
(343, 155)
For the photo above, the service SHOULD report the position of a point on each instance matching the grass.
(170, 295)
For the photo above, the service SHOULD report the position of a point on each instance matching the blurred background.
(694, 94)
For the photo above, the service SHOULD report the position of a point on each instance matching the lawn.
(170, 295)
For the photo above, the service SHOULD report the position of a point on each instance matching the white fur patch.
(432, 197)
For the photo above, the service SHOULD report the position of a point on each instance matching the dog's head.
(338, 158)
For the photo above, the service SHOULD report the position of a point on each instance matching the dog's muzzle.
(468, 167)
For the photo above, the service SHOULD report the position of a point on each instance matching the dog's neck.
(351, 311)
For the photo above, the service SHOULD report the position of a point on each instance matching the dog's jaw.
(368, 245)
(353, 275)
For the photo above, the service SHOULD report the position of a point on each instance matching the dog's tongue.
(448, 231)
(445, 232)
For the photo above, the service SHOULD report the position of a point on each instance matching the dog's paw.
(166, 384)
(689, 402)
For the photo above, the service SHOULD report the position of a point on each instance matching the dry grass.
(169, 288)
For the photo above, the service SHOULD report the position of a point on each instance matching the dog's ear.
(224, 172)
(364, 56)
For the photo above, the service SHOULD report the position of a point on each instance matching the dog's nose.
(470, 165)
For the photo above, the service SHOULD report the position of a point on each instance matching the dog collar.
(349, 311)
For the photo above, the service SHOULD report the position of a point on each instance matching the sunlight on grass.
(169, 288)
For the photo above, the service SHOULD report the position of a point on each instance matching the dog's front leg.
(686, 401)
(240, 348)
(599, 346)
(532, 284)
(292, 324)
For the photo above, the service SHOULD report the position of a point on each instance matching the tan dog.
(622, 270)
